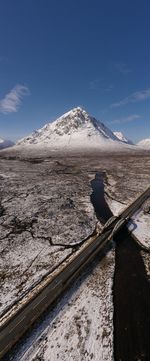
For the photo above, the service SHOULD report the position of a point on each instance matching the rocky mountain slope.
(121, 137)
(75, 129)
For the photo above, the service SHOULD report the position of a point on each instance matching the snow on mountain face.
(121, 137)
(74, 129)
(5, 143)
(144, 143)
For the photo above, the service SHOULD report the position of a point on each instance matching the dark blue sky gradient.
(70, 53)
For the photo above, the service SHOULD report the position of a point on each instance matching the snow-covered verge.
(81, 326)
(116, 207)
(140, 227)
(139, 224)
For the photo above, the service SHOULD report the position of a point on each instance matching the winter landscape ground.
(59, 185)
(74, 171)
(45, 212)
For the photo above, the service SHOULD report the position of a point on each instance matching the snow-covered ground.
(44, 206)
(139, 226)
(115, 206)
(81, 326)
(45, 210)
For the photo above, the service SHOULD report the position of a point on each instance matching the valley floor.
(45, 210)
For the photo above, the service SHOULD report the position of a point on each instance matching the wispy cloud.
(133, 98)
(12, 100)
(122, 68)
(130, 118)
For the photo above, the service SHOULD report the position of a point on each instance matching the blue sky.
(59, 54)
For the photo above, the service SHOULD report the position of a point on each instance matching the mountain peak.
(75, 129)
(77, 120)
(75, 114)
(77, 110)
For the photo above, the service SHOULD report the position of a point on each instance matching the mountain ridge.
(74, 129)
(122, 137)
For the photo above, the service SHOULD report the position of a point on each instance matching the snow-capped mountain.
(123, 139)
(75, 129)
(144, 143)
(5, 143)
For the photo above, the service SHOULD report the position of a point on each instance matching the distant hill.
(145, 143)
(5, 143)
